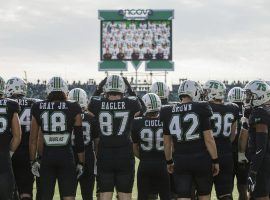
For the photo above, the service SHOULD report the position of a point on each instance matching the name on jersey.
(50, 106)
(22, 102)
(182, 108)
(113, 106)
(151, 123)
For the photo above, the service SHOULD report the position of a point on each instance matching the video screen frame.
(147, 22)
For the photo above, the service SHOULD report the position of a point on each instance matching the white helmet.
(235, 95)
(214, 89)
(256, 93)
(152, 102)
(115, 83)
(160, 89)
(191, 89)
(57, 84)
(2, 86)
(79, 95)
(17, 86)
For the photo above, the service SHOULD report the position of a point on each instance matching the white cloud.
(226, 39)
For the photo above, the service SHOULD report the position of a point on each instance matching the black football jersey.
(25, 118)
(186, 123)
(7, 108)
(90, 131)
(148, 133)
(224, 115)
(114, 119)
(259, 115)
(56, 120)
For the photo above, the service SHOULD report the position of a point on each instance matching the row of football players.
(55, 117)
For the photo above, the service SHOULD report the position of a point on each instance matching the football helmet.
(191, 89)
(115, 83)
(214, 89)
(56, 84)
(79, 95)
(256, 93)
(16, 86)
(152, 102)
(235, 95)
(160, 89)
(2, 86)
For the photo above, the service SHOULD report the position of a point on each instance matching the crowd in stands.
(38, 89)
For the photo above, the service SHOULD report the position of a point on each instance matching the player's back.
(7, 108)
(56, 120)
(148, 133)
(224, 115)
(186, 122)
(114, 119)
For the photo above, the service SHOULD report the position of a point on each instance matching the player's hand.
(79, 170)
(242, 158)
(99, 89)
(251, 181)
(170, 168)
(129, 88)
(215, 169)
(35, 166)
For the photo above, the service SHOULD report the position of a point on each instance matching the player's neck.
(217, 102)
(114, 97)
(186, 100)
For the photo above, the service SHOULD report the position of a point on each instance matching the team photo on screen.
(136, 40)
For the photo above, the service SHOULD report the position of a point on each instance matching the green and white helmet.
(115, 83)
(256, 93)
(191, 89)
(152, 102)
(160, 89)
(56, 84)
(235, 95)
(214, 89)
(15, 86)
(2, 86)
(78, 95)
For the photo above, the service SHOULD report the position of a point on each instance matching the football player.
(235, 95)
(162, 90)
(57, 118)
(115, 160)
(147, 136)
(224, 121)
(16, 89)
(187, 123)
(257, 95)
(10, 138)
(90, 134)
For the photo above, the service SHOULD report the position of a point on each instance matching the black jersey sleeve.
(135, 105)
(13, 107)
(134, 131)
(165, 115)
(35, 112)
(259, 116)
(93, 105)
(236, 112)
(205, 116)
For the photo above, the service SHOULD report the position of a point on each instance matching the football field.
(134, 193)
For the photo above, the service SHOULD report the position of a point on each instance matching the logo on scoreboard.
(136, 13)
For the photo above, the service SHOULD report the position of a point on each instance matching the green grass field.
(134, 193)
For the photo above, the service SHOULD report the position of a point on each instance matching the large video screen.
(136, 40)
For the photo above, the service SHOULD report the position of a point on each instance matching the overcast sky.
(217, 39)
